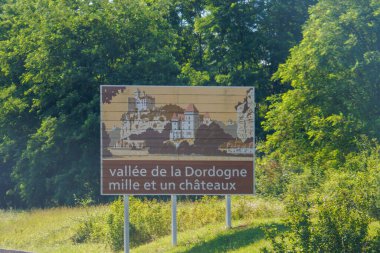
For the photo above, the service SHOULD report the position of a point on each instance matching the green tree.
(279, 29)
(242, 43)
(228, 28)
(236, 42)
(336, 87)
(53, 57)
(189, 43)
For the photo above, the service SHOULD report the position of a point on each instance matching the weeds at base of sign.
(150, 219)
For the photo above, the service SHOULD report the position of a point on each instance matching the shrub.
(150, 220)
(335, 216)
(271, 176)
(89, 230)
(115, 225)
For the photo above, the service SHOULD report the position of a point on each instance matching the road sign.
(165, 140)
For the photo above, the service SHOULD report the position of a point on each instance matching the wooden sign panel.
(165, 140)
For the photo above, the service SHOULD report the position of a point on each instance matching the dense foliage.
(333, 106)
(55, 54)
(323, 152)
(336, 216)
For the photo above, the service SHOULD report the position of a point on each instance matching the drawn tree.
(209, 138)
(109, 92)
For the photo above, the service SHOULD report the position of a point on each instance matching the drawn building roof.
(177, 117)
(191, 108)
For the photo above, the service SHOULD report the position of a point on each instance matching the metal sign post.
(228, 211)
(254, 142)
(174, 220)
(126, 224)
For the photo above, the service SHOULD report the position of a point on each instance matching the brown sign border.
(167, 194)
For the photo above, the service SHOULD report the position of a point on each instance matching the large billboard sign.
(161, 140)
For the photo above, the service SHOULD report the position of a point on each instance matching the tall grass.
(100, 228)
(48, 230)
(151, 219)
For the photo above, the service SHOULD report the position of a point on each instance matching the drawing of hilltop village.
(149, 129)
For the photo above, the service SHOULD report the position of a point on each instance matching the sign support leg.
(228, 211)
(254, 141)
(174, 220)
(126, 224)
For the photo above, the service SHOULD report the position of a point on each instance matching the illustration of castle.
(136, 120)
(140, 102)
(142, 115)
(184, 125)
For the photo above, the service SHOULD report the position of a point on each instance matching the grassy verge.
(47, 230)
(201, 226)
(245, 236)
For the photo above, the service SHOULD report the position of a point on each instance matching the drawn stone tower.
(185, 125)
(245, 117)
